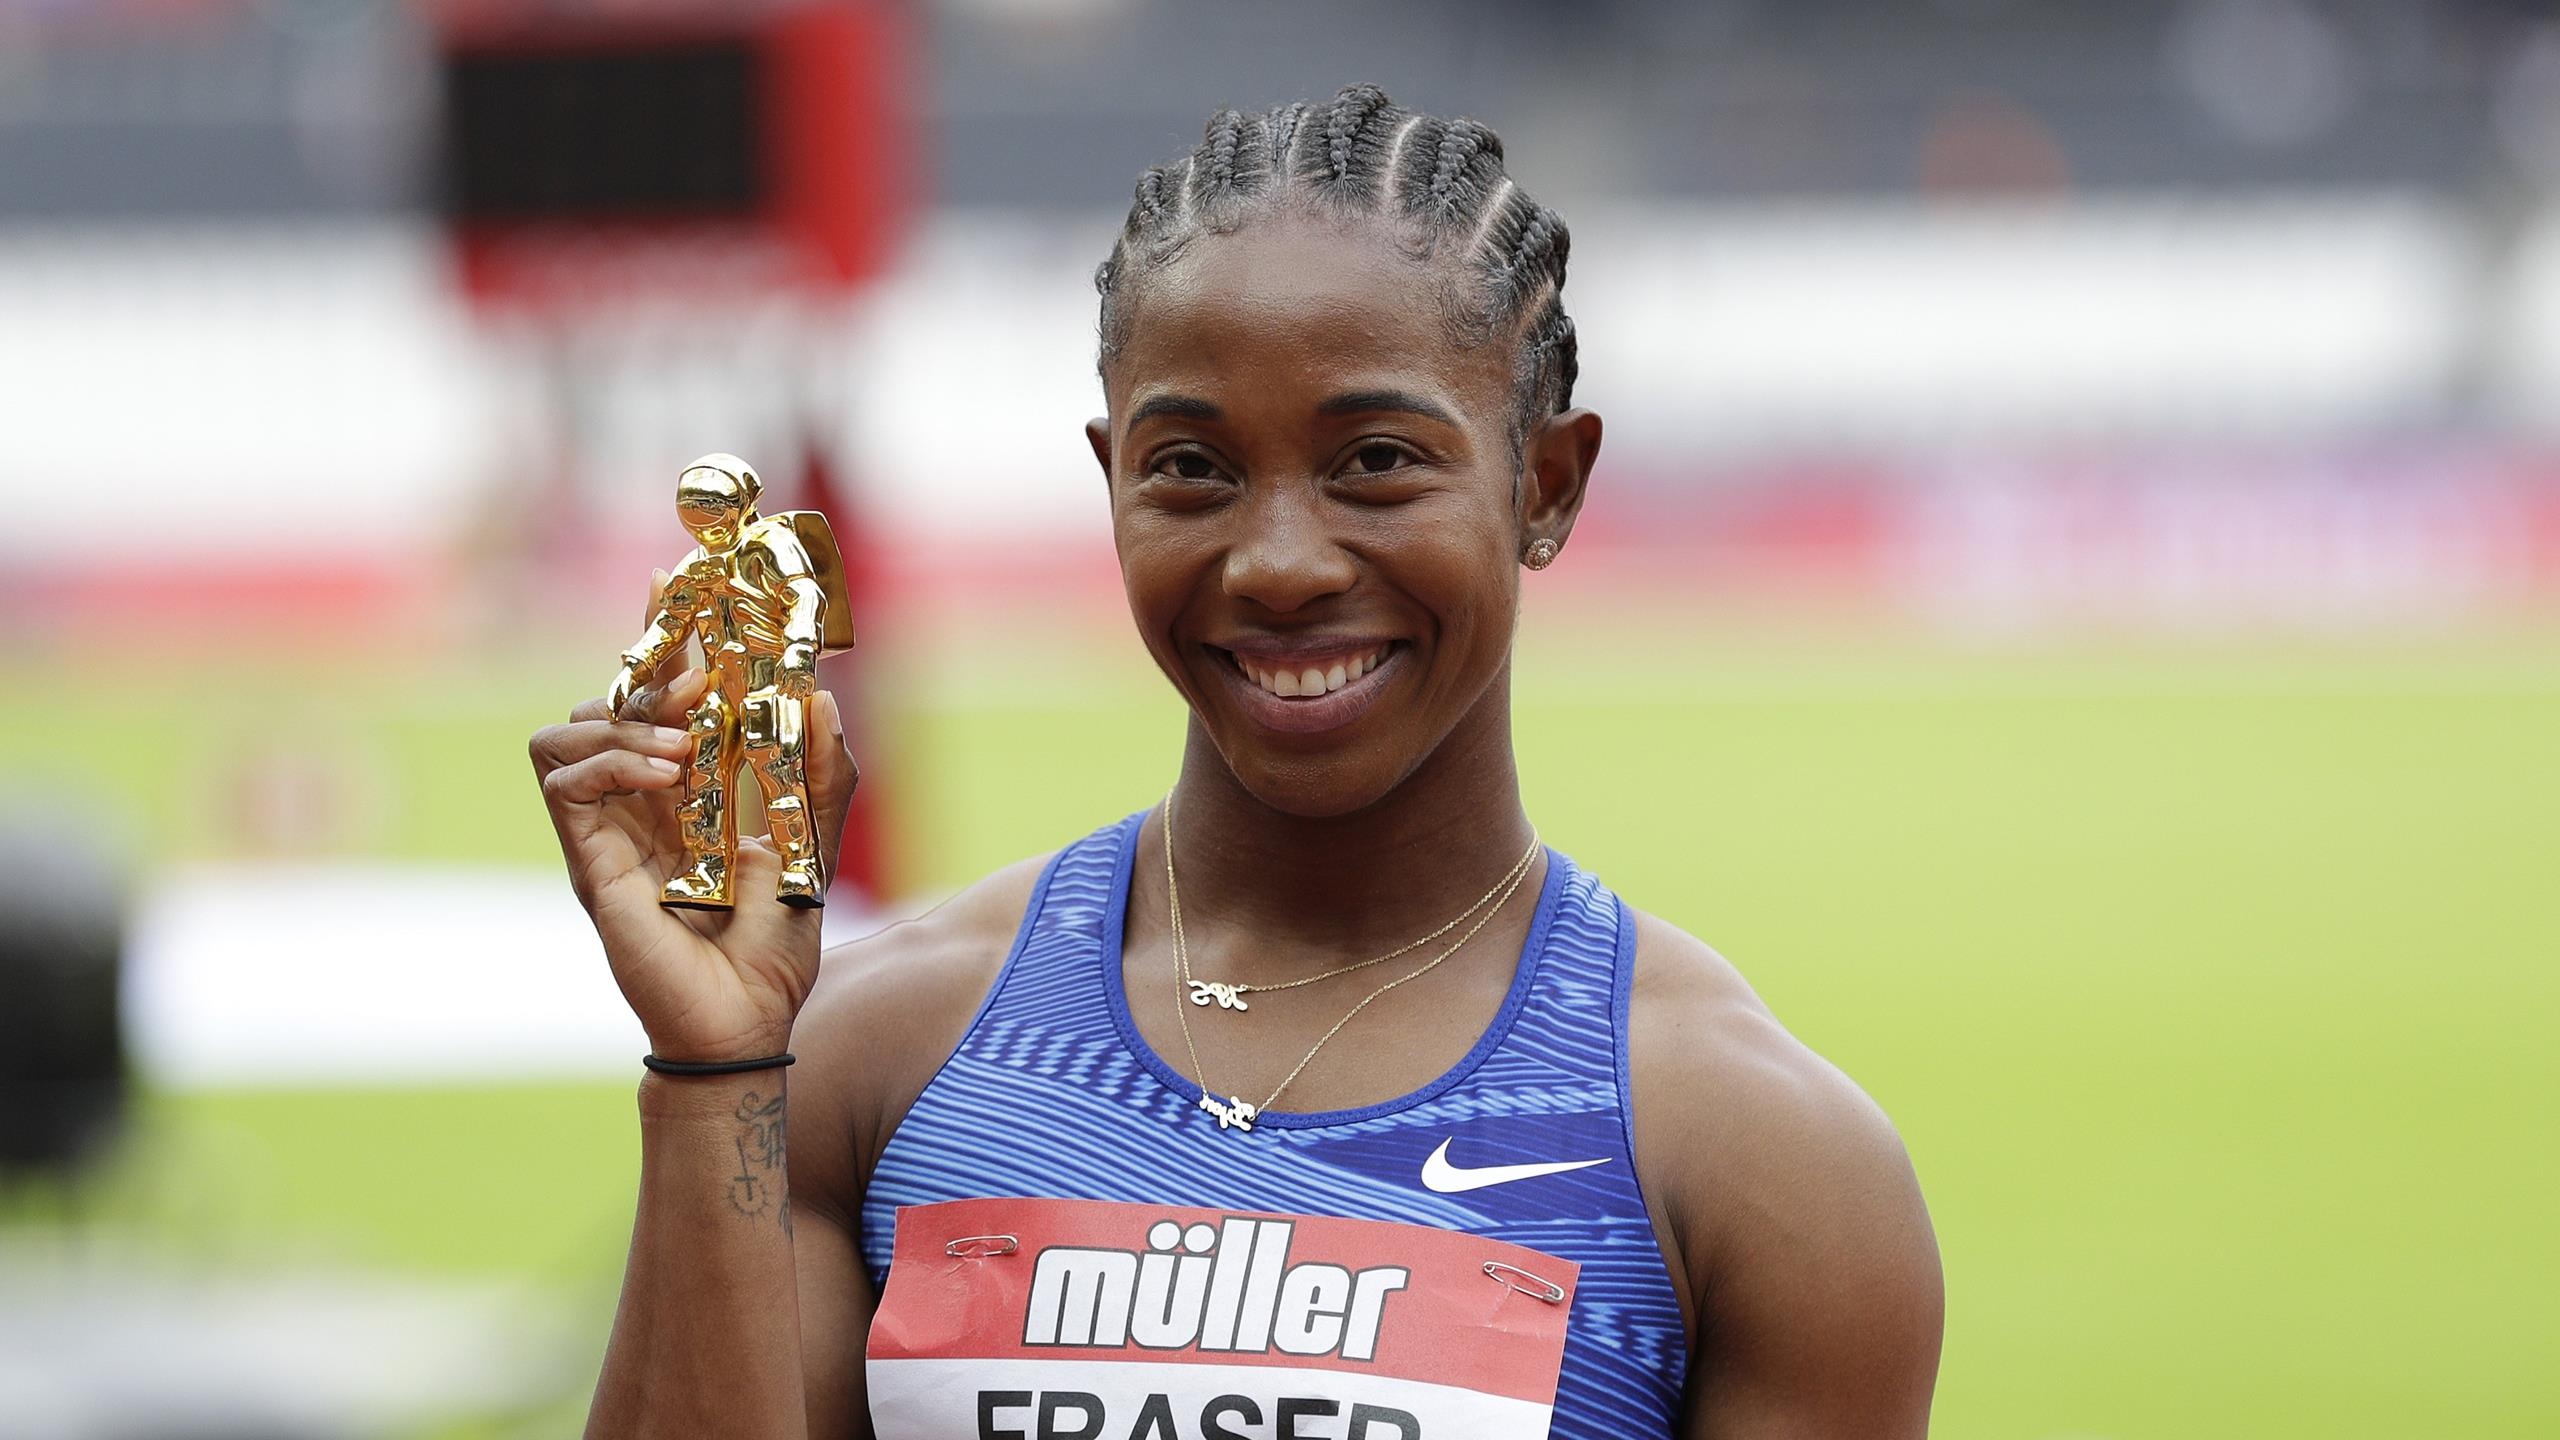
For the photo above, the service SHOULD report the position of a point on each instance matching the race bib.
(1093, 1320)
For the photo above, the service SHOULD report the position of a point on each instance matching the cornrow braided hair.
(1349, 144)
(1440, 182)
(1283, 124)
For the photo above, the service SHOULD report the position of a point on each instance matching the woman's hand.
(706, 984)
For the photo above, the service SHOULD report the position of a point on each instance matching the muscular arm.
(1801, 1235)
(745, 1306)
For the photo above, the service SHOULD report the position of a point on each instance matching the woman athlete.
(1338, 375)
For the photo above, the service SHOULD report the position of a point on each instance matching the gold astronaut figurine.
(766, 594)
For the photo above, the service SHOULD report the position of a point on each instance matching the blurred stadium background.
(2070, 604)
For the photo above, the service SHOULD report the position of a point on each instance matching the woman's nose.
(1284, 557)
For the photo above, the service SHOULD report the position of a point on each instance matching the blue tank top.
(1547, 1082)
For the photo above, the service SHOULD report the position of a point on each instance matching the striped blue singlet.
(1547, 1082)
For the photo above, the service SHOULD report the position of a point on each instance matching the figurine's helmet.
(714, 496)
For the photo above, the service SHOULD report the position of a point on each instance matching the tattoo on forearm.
(760, 1187)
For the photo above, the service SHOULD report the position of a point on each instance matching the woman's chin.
(1307, 800)
(1311, 785)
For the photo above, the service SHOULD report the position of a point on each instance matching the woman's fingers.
(610, 772)
(666, 704)
(672, 701)
(554, 746)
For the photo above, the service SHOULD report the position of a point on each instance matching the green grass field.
(2213, 989)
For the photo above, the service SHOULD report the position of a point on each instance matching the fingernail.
(668, 735)
(662, 766)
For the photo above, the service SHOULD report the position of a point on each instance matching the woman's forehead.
(1301, 302)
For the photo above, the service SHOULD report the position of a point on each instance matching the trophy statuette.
(766, 596)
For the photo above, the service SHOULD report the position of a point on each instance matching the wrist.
(660, 1066)
(757, 1044)
(689, 1100)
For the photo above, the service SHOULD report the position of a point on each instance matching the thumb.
(832, 774)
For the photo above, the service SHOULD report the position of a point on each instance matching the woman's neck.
(1324, 892)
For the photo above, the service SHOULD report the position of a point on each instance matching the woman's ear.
(1097, 433)
(1558, 459)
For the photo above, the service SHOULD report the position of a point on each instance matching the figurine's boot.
(704, 820)
(804, 878)
(704, 887)
(803, 884)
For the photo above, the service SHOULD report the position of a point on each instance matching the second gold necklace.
(1235, 1112)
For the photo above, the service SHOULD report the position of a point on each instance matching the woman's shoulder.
(1695, 1019)
(920, 961)
(1742, 1126)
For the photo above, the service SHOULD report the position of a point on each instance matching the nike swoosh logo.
(1438, 1174)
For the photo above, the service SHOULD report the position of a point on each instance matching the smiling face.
(1319, 506)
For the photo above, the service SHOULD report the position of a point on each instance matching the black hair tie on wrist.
(715, 1067)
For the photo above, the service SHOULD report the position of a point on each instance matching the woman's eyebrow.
(1364, 402)
(1188, 407)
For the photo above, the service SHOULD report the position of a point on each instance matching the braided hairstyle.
(1439, 181)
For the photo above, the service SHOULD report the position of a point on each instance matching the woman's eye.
(1187, 465)
(1378, 458)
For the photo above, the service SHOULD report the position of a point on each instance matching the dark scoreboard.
(582, 156)
(602, 133)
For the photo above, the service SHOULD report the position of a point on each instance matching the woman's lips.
(1259, 682)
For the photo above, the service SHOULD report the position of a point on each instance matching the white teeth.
(1311, 681)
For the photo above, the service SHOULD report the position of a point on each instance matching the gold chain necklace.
(1230, 996)
(1235, 1112)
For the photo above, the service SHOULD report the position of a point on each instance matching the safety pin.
(981, 1247)
(1547, 1290)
